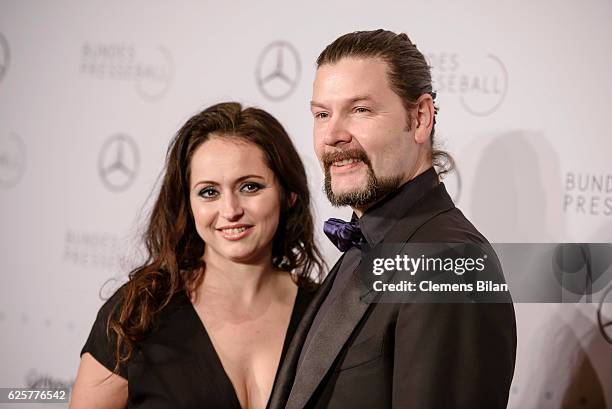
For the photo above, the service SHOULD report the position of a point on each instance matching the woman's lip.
(235, 236)
(234, 226)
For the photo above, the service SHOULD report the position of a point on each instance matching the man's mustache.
(329, 158)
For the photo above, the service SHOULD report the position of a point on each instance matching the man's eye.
(361, 110)
(208, 193)
(250, 187)
(321, 115)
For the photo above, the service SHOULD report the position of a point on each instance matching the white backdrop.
(91, 93)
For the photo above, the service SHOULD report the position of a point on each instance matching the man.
(374, 116)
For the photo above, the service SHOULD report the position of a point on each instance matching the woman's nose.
(231, 208)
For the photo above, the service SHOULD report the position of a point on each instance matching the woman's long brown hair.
(174, 248)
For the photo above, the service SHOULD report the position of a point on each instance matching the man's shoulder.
(450, 226)
(435, 219)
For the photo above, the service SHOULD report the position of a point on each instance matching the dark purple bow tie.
(343, 234)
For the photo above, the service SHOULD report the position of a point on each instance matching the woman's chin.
(245, 256)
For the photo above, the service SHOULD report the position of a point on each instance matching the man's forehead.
(350, 100)
(342, 82)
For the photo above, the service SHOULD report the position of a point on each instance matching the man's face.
(361, 134)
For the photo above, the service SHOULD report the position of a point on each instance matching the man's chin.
(346, 185)
(359, 192)
(349, 196)
(348, 191)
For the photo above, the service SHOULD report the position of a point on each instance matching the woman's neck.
(239, 282)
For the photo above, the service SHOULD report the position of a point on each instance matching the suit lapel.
(335, 327)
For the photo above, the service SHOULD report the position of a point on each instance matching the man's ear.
(292, 199)
(424, 117)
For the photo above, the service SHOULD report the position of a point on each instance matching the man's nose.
(337, 132)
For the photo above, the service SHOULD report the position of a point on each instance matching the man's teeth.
(236, 230)
(345, 162)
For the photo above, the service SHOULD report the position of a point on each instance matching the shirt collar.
(376, 222)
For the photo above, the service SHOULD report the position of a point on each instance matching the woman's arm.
(96, 387)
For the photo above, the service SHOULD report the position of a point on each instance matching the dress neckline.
(205, 342)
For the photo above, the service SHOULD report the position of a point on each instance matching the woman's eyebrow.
(240, 179)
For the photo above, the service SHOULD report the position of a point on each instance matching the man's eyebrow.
(316, 104)
(350, 101)
(361, 98)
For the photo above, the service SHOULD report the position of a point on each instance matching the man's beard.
(375, 189)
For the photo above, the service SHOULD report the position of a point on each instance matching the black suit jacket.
(403, 355)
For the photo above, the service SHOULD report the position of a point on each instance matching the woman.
(205, 321)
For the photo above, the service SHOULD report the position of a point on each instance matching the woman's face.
(235, 200)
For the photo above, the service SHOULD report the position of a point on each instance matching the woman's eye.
(250, 187)
(208, 193)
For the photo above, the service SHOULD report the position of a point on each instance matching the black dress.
(176, 365)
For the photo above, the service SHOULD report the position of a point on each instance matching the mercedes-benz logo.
(118, 162)
(12, 160)
(278, 70)
(5, 56)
